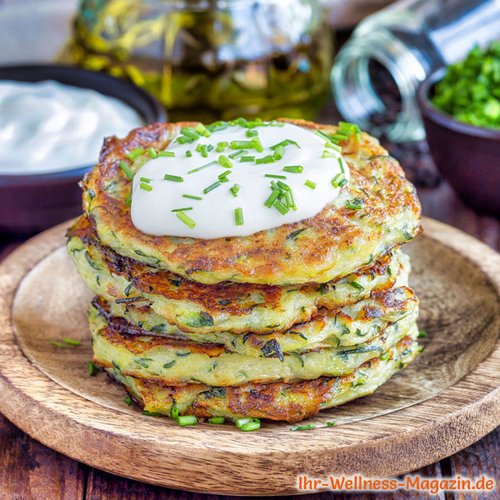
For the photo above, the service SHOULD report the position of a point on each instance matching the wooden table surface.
(31, 470)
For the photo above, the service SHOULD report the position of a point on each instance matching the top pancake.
(335, 242)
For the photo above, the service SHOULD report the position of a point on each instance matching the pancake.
(275, 401)
(346, 326)
(332, 244)
(180, 362)
(224, 307)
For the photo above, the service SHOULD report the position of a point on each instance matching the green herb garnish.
(238, 216)
(173, 178)
(186, 219)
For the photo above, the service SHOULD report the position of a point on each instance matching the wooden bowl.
(33, 202)
(467, 156)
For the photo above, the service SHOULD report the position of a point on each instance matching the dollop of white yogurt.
(48, 126)
(185, 195)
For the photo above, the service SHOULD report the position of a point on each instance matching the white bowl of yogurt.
(53, 120)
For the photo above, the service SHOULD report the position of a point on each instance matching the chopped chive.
(272, 198)
(422, 334)
(181, 209)
(223, 177)
(349, 128)
(310, 184)
(234, 155)
(69, 341)
(167, 154)
(244, 159)
(126, 170)
(146, 187)
(343, 182)
(339, 138)
(174, 411)
(135, 153)
(283, 186)
(275, 176)
(330, 424)
(235, 188)
(173, 178)
(250, 426)
(185, 420)
(191, 197)
(186, 219)
(221, 146)
(216, 420)
(242, 145)
(202, 149)
(225, 162)
(251, 133)
(211, 187)
(355, 204)
(341, 163)
(303, 427)
(290, 202)
(190, 133)
(337, 180)
(202, 167)
(356, 285)
(335, 147)
(128, 400)
(327, 154)
(210, 147)
(56, 343)
(217, 126)
(279, 152)
(145, 179)
(247, 423)
(265, 159)
(282, 208)
(152, 153)
(294, 169)
(92, 369)
(189, 153)
(257, 144)
(202, 130)
(238, 216)
(284, 143)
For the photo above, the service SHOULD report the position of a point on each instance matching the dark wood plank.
(30, 470)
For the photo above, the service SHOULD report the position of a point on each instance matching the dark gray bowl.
(467, 156)
(31, 203)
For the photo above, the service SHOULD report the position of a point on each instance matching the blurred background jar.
(377, 72)
(211, 59)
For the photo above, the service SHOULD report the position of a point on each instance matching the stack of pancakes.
(279, 324)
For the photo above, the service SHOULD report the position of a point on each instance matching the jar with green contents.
(211, 59)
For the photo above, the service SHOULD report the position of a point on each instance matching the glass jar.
(409, 40)
(211, 59)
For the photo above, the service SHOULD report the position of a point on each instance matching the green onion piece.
(173, 178)
(242, 145)
(355, 204)
(257, 144)
(128, 400)
(356, 285)
(339, 137)
(235, 189)
(146, 187)
(145, 179)
(191, 197)
(282, 208)
(210, 147)
(69, 341)
(240, 422)
(185, 420)
(202, 130)
(341, 163)
(265, 159)
(234, 155)
(202, 167)
(238, 216)
(61, 345)
(310, 184)
(186, 219)
(92, 369)
(279, 152)
(152, 153)
(335, 147)
(216, 420)
(126, 170)
(189, 153)
(242, 122)
(422, 334)
(349, 128)
(168, 154)
(337, 180)
(181, 209)
(342, 183)
(174, 411)
(211, 187)
(190, 133)
(217, 126)
(294, 169)
(327, 154)
(223, 177)
(151, 413)
(275, 176)
(225, 162)
(283, 186)
(135, 153)
(221, 146)
(244, 159)
(330, 424)
(290, 202)
(303, 427)
(251, 133)
(202, 149)
(128, 201)
(250, 426)
(284, 143)
(272, 198)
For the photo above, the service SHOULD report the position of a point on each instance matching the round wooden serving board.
(444, 401)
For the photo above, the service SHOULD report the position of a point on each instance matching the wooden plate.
(447, 399)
